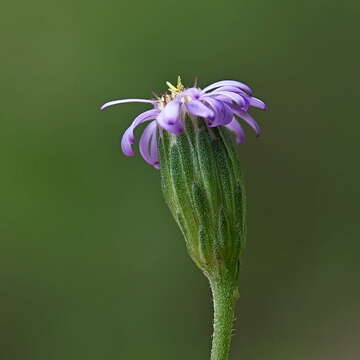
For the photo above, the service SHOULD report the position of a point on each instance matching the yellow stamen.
(175, 89)
(171, 86)
(179, 84)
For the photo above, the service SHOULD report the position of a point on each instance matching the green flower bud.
(204, 189)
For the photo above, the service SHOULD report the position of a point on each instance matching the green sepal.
(204, 189)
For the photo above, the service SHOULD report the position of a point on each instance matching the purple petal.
(222, 112)
(228, 83)
(237, 129)
(154, 153)
(170, 117)
(250, 121)
(146, 144)
(232, 89)
(197, 108)
(228, 114)
(238, 99)
(216, 106)
(257, 103)
(126, 143)
(234, 107)
(123, 101)
(194, 93)
(128, 138)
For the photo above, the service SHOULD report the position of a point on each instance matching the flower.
(219, 104)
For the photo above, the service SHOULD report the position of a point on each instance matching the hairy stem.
(224, 297)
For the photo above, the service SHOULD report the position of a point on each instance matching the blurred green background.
(92, 265)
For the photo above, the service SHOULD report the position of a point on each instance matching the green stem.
(224, 298)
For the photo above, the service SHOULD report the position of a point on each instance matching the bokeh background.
(92, 265)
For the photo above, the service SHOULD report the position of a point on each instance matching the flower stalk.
(225, 294)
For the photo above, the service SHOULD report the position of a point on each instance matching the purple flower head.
(220, 104)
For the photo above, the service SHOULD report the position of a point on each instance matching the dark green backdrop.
(92, 265)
